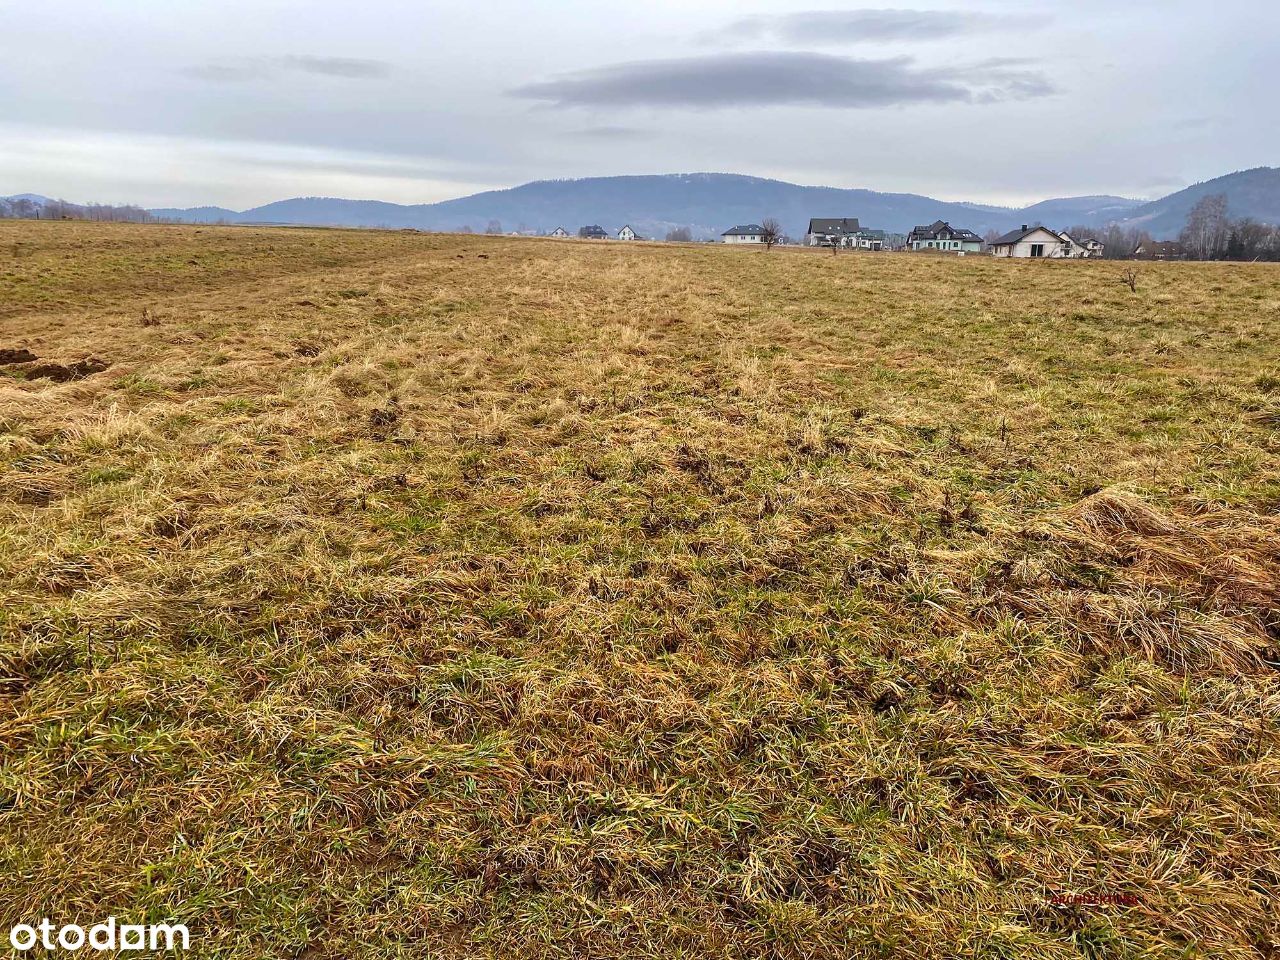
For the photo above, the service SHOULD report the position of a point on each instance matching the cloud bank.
(778, 78)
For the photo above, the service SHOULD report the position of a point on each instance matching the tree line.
(22, 208)
(1210, 234)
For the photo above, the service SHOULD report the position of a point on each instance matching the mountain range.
(709, 203)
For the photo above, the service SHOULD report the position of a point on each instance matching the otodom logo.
(107, 935)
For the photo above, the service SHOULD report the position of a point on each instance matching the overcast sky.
(237, 103)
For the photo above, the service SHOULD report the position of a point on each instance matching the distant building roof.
(746, 230)
(1014, 236)
(593, 230)
(1161, 248)
(836, 225)
(942, 229)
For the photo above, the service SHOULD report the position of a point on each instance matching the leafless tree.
(1130, 279)
(680, 235)
(770, 232)
(1207, 230)
(495, 226)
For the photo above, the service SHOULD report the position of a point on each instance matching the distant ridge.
(1251, 193)
(709, 203)
(197, 214)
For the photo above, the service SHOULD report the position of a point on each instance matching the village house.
(1160, 250)
(831, 232)
(1086, 248)
(1033, 242)
(866, 239)
(844, 232)
(592, 232)
(746, 233)
(626, 233)
(559, 232)
(941, 236)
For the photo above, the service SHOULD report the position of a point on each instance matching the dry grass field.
(397, 595)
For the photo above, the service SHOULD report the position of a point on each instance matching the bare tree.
(680, 235)
(1207, 230)
(495, 226)
(770, 232)
(1130, 279)
(1250, 240)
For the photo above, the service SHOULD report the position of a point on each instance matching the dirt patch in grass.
(62, 372)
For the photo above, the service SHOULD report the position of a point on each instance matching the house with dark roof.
(559, 232)
(867, 239)
(745, 233)
(592, 232)
(843, 232)
(626, 233)
(831, 231)
(1034, 242)
(1160, 250)
(943, 237)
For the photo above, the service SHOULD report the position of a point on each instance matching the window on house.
(1037, 249)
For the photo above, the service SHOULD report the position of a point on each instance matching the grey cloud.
(855, 26)
(782, 78)
(349, 67)
(257, 68)
(609, 132)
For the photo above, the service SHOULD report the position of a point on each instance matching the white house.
(559, 232)
(1033, 242)
(747, 233)
(866, 239)
(843, 232)
(942, 236)
(1084, 248)
(626, 233)
(832, 231)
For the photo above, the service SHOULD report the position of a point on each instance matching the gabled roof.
(1165, 247)
(593, 230)
(1014, 236)
(746, 230)
(939, 227)
(834, 225)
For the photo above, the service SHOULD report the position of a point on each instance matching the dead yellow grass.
(397, 595)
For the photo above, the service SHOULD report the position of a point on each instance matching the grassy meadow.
(373, 595)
